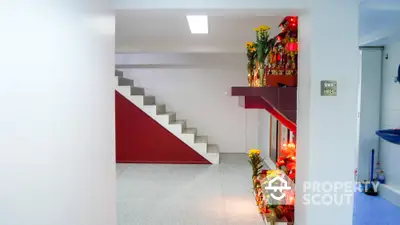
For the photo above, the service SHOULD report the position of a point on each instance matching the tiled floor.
(151, 194)
(370, 210)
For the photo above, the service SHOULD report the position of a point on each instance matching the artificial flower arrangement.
(257, 52)
(256, 162)
(271, 209)
(263, 46)
(276, 56)
(251, 56)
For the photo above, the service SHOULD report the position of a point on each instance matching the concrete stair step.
(122, 81)
(190, 131)
(149, 100)
(161, 109)
(119, 73)
(212, 149)
(182, 122)
(137, 91)
(171, 116)
(201, 139)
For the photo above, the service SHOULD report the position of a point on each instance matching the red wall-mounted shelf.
(280, 102)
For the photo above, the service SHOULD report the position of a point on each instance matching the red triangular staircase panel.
(140, 139)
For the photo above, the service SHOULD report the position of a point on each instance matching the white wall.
(369, 111)
(390, 118)
(327, 125)
(197, 88)
(252, 131)
(57, 163)
(264, 137)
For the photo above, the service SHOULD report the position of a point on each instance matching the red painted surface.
(280, 102)
(254, 102)
(140, 139)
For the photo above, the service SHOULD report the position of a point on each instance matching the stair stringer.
(168, 121)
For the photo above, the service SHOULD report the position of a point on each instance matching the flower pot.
(274, 80)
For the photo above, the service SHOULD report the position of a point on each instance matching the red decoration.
(282, 59)
(140, 139)
(292, 46)
(287, 161)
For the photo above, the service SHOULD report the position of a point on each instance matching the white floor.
(151, 194)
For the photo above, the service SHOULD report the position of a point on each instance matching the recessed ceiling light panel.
(198, 24)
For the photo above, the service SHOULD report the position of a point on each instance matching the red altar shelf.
(280, 102)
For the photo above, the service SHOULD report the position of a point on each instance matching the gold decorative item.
(251, 55)
(250, 79)
(261, 71)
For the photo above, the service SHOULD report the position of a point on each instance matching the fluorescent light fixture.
(198, 24)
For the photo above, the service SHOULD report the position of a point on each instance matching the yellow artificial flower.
(264, 28)
(252, 49)
(272, 173)
(254, 152)
(256, 29)
(249, 45)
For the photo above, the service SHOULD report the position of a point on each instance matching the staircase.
(168, 120)
(280, 102)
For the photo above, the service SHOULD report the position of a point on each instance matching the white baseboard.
(390, 193)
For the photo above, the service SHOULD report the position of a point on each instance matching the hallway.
(151, 194)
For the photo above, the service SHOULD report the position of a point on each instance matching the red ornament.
(280, 163)
(292, 175)
(291, 166)
(292, 46)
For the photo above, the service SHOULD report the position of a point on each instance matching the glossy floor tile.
(155, 194)
(369, 210)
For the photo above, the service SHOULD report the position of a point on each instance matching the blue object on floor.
(370, 210)
(372, 167)
(398, 75)
(391, 135)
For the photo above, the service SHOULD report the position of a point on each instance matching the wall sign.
(328, 88)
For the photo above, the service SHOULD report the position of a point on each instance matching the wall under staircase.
(146, 133)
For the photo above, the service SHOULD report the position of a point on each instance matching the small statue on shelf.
(289, 66)
(273, 63)
(280, 59)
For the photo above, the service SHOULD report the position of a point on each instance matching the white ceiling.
(379, 26)
(168, 31)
